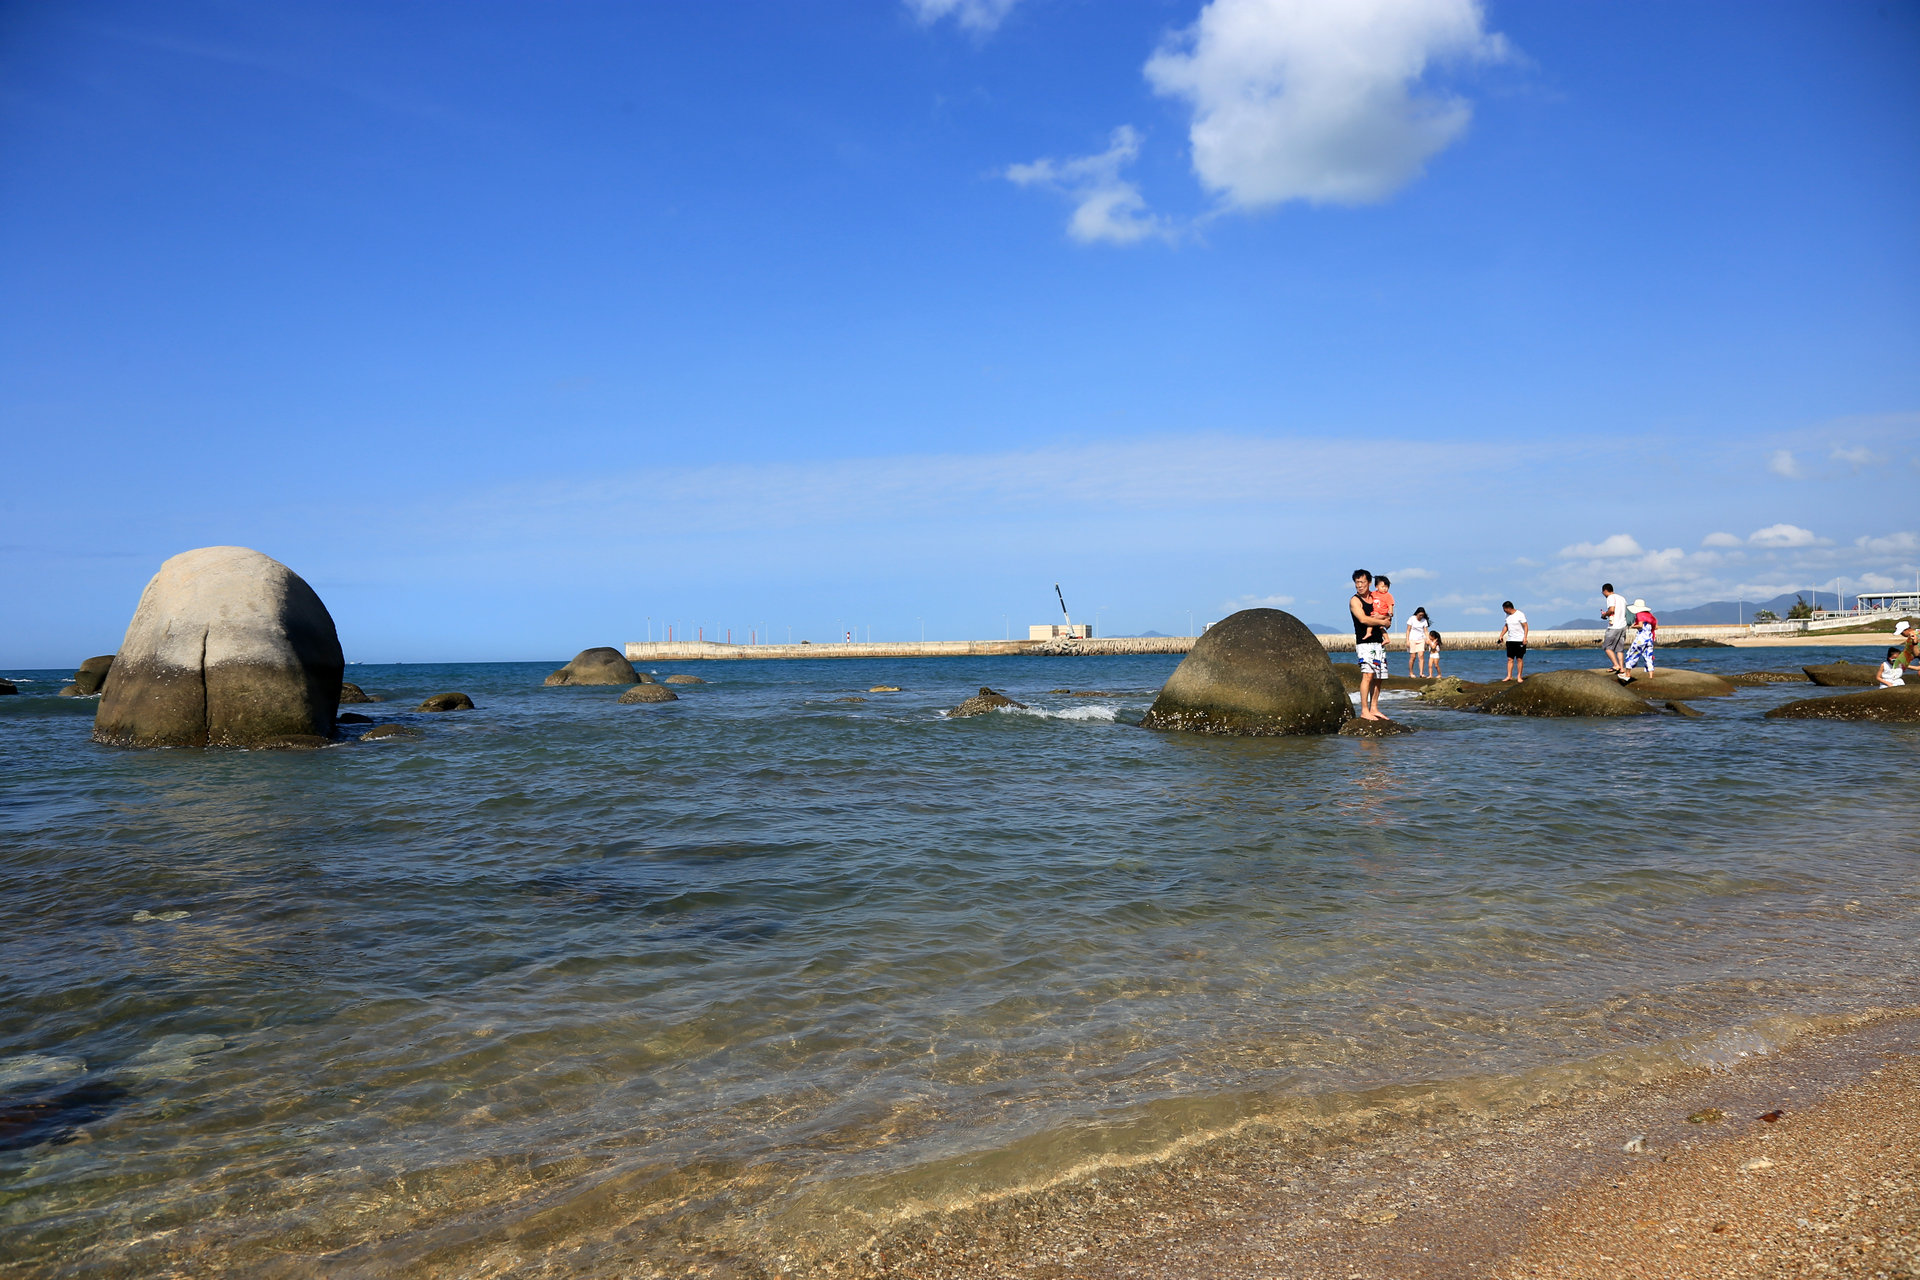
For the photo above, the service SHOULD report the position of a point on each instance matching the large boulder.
(1842, 674)
(1671, 682)
(447, 702)
(649, 693)
(604, 665)
(1887, 706)
(982, 702)
(1259, 672)
(228, 648)
(1567, 693)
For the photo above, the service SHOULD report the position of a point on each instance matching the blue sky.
(520, 328)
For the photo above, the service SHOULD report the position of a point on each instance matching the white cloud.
(1785, 465)
(1891, 545)
(1412, 575)
(1257, 602)
(1782, 535)
(1857, 457)
(1319, 100)
(1720, 540)
(1613, 547)
(974, 15)
(1107, 207)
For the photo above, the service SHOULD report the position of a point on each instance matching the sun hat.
(1638, 605)
(1902, 627)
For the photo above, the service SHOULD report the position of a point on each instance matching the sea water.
(580, 988)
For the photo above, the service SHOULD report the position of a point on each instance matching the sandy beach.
(1681, 1178)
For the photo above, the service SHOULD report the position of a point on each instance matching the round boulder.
(92, 675)
(1567, 693)
(1259, 672)
(447, 702)
(228, 648)
(1885, 706)
(353, 693)
(649, 693)
(604, 665)
(685, 679)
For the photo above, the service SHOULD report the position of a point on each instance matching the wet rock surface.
(1259, 672)
(1357, 728)
(1566, 693)
(228, 647)
(447, 702)
(685, 679)
(380, 732)
(1666, 682)
(1842, 674)
(604, 665)
(981, 703)
(1766, 677)
(352, 717)
(1882, 706)
(353, 694)
(92, 675)
(648, 693)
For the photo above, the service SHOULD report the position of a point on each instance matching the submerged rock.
(1258, 672)
(849, 699)
(1357, 728)
(1842, 674)
(352, 717)
(649, 693)
(353, 693)
(1765, 677)
(1349, 673)
(7, 687)
(1682, 709)
(228, 647)
(1883, 706)
(685, 679)
(447, 702)
(380, 731)
(981, 703)
(604, 665)
(1567, 693)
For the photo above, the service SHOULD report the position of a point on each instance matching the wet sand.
(1832, 1187)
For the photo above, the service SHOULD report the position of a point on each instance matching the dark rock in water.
(352, 717)
(54, 1114)
(604, 665)
(353, 693)
(1766, 677)
(381, 731)
(849, 699)
(1696, 644)
(447, 702)
(1059, 691)
(645, 678)
(92, 675)
(1842, 674)
(7, 687)
(649, 693)
(293, 742)
(1357, 728)
(1666, 682)
(1349, 673)
(981, 703)
(1883, 706)
(683, 679)
(228, 648)
(1682, 709)
(1258, 672)
(1567, 693)
(71, 691)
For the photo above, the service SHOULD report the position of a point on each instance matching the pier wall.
(701, 650)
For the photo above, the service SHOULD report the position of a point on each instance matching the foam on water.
(756, 974)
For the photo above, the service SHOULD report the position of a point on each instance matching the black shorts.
(1516, 648)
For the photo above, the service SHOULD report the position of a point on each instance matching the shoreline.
(1549, 1190)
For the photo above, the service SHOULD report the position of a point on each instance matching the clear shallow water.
(564, 981)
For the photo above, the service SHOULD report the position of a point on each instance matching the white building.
(1061, 631)
(1888, 601)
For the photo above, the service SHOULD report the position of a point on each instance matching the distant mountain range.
(1704, 615)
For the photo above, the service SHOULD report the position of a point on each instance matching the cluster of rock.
(91, 678)
(1884, 706)
(982, 702)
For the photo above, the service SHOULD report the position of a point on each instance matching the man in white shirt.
(1515, 634)
(1615, 645)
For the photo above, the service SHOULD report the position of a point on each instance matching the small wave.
(1093, 711)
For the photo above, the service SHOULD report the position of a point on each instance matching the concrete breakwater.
(691, 650)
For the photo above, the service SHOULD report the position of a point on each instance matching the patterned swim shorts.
(1373, 659)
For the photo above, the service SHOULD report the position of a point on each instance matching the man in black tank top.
(1369, 645)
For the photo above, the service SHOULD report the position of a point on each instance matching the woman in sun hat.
(1645, 626)
(1904, 634)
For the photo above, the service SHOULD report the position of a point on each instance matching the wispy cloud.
(1783, 464)
(1857, 456)
(1783, 535)
(1256, 602)
(1892, 544)
(1613, 547)
(1108, 208)
(1412, 575)
(1721, 540)
(980, 16)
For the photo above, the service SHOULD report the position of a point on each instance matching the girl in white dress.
(1417, 628)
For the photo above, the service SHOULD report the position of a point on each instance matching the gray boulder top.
(1259, 672)
(602, 665)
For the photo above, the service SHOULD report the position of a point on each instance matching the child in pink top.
(1380, 603)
